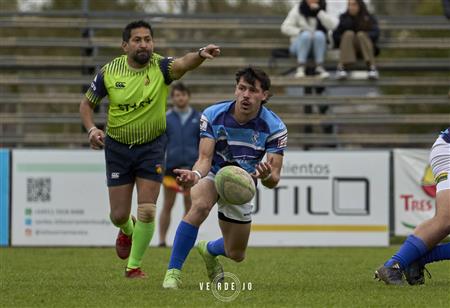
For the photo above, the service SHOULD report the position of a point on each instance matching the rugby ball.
(235, 185)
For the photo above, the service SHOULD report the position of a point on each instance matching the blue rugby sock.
(438, 253)
(184, 241)
(216, 248)
(412, 249)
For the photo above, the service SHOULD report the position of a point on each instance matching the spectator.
(183, 134)
(307, 25)
(356, 36)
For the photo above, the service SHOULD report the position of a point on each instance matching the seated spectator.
(307, 25)
(356, 36)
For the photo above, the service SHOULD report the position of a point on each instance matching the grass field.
(280, 277)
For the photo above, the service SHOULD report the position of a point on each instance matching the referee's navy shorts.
(124, 162)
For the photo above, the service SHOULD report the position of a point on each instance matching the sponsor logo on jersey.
(255, 137)
(129, 107)
(120, 84)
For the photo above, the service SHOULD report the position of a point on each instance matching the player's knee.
(119, 217)
(236, 256)
(200, 211)
(146, 212)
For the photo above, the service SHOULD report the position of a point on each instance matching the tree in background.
(100, 5)
(267, 7)
(414, 7)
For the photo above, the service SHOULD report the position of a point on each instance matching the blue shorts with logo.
(125, 162)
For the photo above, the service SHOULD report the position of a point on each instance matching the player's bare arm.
(96, 136)
(270, 170)
(193, 59)
(188, 178)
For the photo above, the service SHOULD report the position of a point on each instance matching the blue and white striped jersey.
(244, 144)
(446, 135)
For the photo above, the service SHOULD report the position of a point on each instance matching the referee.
(137, 86)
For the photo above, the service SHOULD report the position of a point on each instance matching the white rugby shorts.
(440, 163)
(230, 212)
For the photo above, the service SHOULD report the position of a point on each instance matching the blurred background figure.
(446, 8)
(307, 25)
(183, 132)
(356, 36)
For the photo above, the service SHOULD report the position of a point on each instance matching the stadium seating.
(45, 62)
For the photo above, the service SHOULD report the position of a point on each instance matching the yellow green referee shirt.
(137, 98)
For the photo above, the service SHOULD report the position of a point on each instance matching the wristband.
(200, 52)
(90, 130)
(267, 177)
(197, 173)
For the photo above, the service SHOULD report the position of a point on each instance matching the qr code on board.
(39, 189)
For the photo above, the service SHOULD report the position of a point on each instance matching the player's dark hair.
(179, 86)
(126, 34)
(251, 74)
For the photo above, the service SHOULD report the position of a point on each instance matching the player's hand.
(263, 170)
(186, 178)
(210, 52)
(97, 139)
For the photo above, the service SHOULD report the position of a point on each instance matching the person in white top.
(307, 25)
